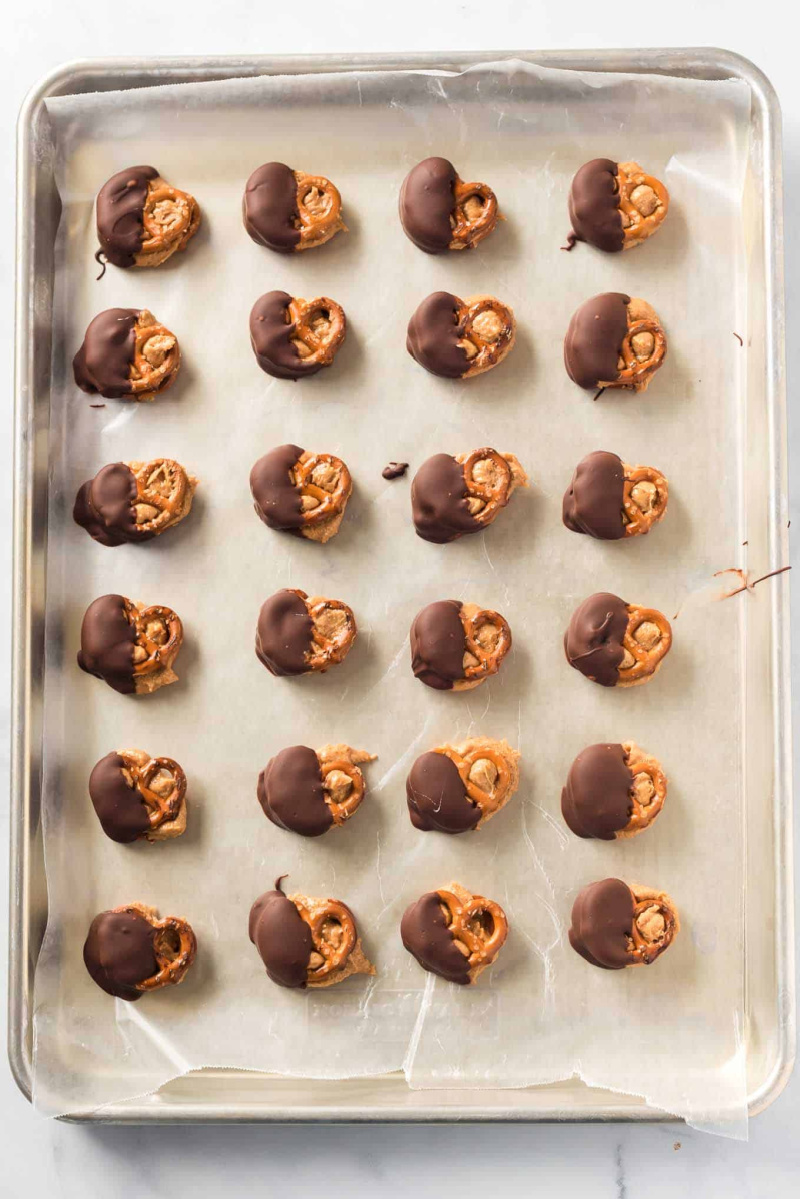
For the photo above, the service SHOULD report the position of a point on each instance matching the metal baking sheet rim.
(105, 74)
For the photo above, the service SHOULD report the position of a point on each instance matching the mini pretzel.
(156, 357)
(174, 945)
(487, 656)
(342, 810)
(328, 649)
(319, 208)
(331, 950)
(643, 203)
(170, 218)
(643, 657)
(462, 913)
(645, 509)
(638, 369)
(163, 805)
(328, 503)
(492, 493)
(159, 634)
(163, 494)
(488, 801)
(647, 795)
(655, 924)
(487, 328)
(472, 222)
(318, 329)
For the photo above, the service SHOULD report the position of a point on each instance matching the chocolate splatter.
(395, 470)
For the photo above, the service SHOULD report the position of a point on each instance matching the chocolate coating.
(119, 952)
(104, 507)
(291, 793)
(269, 207)
(438, 645)
(284, 633)
(594, 339)
(103, 363)
(439, 501)
(594, 206)
(437, 798)
(282, 938)
(120, 205)
(602, 919)
(596, 801)
(270, 337)
(395, 470)
(426, 935)
(427, 200)
(120, 809)
(593, 501)
(433, 334)
(593, 640)
(107, 642)
(275, 497)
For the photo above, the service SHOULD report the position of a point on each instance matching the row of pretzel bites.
(613, 791)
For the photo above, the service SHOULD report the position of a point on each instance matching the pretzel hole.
(163, 783)
(160, 481)
(481, 924)
(644, 495)
(331, 932)
(643, 789)
(468, 660)
(331, 623)
(168, 213)
(644, 199)
(338, 786)
(647, 634)
(155, 349)
(628, 660)
(487, 637)
(167, 943)
(643, 344)
(652, 924)
(473, 207)
(308, 502)
(145, 513)
(316, 201)
(156, 630)
(488, 325)
(483, 774)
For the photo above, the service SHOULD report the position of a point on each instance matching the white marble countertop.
(624, 1161)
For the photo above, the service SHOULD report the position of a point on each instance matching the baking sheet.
(673, 1034)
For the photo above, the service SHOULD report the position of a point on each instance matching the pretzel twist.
(173, 223)
(328, 651)
(488, 351)
(161, 808)
(638, 520)
(343, 810)
(174, 946)
(489, 658)
(479, 945)
(493, 497)
(318, 326)
(153, 479)
(487, 801)
(469, 230)
(157, 656)
(639, 226)
(330, 503)
(334, 950)
(645, 659)
(644, 814)
(145, 376)
(317, 226)
(635, 370)
(645, 950)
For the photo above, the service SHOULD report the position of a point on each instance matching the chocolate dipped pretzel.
(456, 646)
(616, 644)
(308, 791)
(129, 951)
(610, 500)
(300, 492)
(614, 341)
(138, 797)
(129, 646)
(288, 211)
(126, 355)
(613, 791)
(439, 211)
(452, 496)
(306, 942)
(614, 205)
(454, 934)
(457, 339)
(298, 635)
(615, 924)
(456, 788)
(294, 338)
(142, 220)
(134, 501)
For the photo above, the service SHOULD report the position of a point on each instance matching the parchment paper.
(672, 1033)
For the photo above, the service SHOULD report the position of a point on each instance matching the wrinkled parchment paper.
(672, 1033)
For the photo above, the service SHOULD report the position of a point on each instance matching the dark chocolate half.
(269, 207)
(602, 920)
(291, 793)
(593, 640)
(427, 201)
(594, 340)
(120, 205)
(439, 501)
(594, 206)
(120, 952)
(282, 938)
(107, 643)
(122, 812)
(437, 798)
(275, 497)
(438, 644)
(433, 335)
(102, 365)
(593, 501)
(284, 633)
(597, 800)
(270, 337)
(426, 935)
(104, 507)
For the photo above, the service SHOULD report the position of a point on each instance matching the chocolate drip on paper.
(594, 339)
(395, 470)
(120, 952)
(291, 793)
(427, 201)
(284, 632)
(433, 335)
(439, 501)
(120, 208)
(276, 498)
(104, 507)
(425, 935)
(597, 799)
(103, 363)
(437, 797)
(270, 337)
(269, 207)
(282, 938)
(602, 920)
(107, 642)
(122, 812)
(593, 502)
(593, 640)
(594, 206)
(438, 644)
